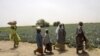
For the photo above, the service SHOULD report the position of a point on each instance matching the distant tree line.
(43, 23)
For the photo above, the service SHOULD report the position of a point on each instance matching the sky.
(27, 12)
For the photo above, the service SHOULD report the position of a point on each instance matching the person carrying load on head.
(13, 34)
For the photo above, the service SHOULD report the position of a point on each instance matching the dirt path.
(26, 49)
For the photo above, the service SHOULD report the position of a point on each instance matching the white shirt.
(46, 39)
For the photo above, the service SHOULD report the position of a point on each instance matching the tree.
(47, 24)
(56, 23)
(42, 23)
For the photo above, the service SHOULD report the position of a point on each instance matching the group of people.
(40, 40)
(46, 41)
(61, 35)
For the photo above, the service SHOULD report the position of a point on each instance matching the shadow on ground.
(83, 54)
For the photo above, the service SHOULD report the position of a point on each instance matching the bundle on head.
(12, 23)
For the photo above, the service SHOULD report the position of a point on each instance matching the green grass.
(27, 33)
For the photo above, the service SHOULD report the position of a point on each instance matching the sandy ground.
(26, 49)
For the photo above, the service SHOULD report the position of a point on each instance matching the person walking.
(13, 35)
(80, 38)
(39, 41)
(61, 33)
(47, 42)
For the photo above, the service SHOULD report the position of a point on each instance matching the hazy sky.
(27, 12)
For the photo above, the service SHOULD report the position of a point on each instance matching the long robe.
(14, 36)
(47, 42)
(39, 42)
(61, 34)
(80, 38)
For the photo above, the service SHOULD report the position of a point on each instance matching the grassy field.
(27, 33)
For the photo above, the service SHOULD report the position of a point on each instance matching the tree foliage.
(56, 23)
(42, 23)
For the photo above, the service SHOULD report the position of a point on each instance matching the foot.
(83, 51)
(45, 52)
(42, 54)
(15, 46)
(51, 52)
(54, 47)
(77, 52)
(35, 52)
